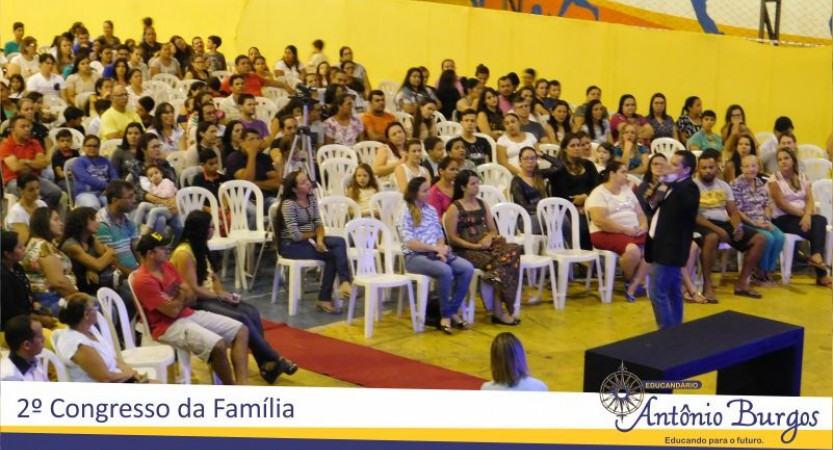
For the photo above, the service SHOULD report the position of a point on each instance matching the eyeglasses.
(530, 158)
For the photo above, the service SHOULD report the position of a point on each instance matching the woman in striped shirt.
(301, 236)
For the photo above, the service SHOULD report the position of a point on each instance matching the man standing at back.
(669, 239)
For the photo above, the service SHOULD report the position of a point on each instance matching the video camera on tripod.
(303, 136)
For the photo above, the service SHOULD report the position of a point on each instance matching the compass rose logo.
(622, 392)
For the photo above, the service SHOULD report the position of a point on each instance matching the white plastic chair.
(494, 174)
(273, 93)
(69, 178)
(336, 211)
(295, 268)
(366, 151)
(182, 355)
(158, 89)
(362, 235)
(390, 88)
(551, 213)
(171, 80)
(333, 172)
(221, 74)
(448, 128)
(109, 146)
(77, 137)
(236, 195)
(186, 178)
(810, 151)
(387, 206)
(177, 160)
(763, 136)
(55, 105)
(46, 358)
(549, 149)
(492, 144)
(328, 151)
(817, 169)
(266, 109)
(491, 195)
(404, 118)
(666, 146)
(155, 357)
(506, 220)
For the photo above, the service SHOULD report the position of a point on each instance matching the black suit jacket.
(675, 226)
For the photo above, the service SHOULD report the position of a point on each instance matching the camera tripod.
(302, 145)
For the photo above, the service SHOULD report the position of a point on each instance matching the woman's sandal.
(697, 297)
(329, 309)
(445, 329)
(748, 292)
(461, 325)
(824, 282)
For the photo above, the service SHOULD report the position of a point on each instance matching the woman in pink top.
(793, 210)
(440, 194)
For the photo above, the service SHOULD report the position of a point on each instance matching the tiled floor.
(556, 340)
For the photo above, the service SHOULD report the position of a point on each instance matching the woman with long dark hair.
(123, 157)
(230, 141)
(82, 78)
(661, 123)
(165, 127)
(413, 91)
(290, 65)
(595, 125)
(48, 269)
(472, 234)
(149, 152)
(690, 121)
(427, 254)
(489, 116)
(447, 92)
(297, 225)
(198, 267)
(92, 262)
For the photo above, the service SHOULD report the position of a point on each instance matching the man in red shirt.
(166, 300)
(253, 82)
(22, 153)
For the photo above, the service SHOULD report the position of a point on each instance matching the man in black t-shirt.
(478, 149)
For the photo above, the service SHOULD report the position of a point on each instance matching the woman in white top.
(26, 63)
(289, 66)
(792, 211)
(82, 78)
(166, 128)
(618, 224)
(412, 166)
(166, 63)
(82, 348)
(509, 368)
(513, 140)
(18, 217)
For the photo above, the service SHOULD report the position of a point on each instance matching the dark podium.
(752, 355)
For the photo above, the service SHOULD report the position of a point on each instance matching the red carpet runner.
(361, 365)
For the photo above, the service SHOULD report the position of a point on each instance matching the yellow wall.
(388, 36)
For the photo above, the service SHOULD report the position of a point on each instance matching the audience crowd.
(101, 134)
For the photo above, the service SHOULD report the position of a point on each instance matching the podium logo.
(622, 392)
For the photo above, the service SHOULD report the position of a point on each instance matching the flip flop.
(748, 293)
(694, 299)
(824, 282)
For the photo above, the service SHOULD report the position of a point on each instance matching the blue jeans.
(335, 261)
(667, 295)
(774, 244)
(91, 199)
(445, 273)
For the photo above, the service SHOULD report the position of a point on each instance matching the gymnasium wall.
(388, 36)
